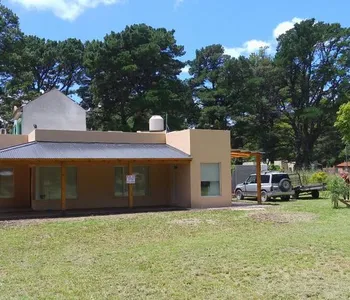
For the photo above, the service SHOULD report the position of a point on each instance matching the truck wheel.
(264, 196)
(239, 195)
(315, 194)
(285, 198)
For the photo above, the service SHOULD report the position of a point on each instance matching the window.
(276, 178)
(141, 187)
(251, 179)
(210, 179)
(48, 183)
(265, 179)
(6, 183)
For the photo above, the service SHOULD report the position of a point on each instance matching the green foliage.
(319, 177)
(305, 176)
(336, 188)
(343, 122)
(274, 168)
(314, 67)
(134, 75)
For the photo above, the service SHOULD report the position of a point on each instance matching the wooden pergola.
(237, 153)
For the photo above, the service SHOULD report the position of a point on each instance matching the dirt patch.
(282, 218)
(25, 222)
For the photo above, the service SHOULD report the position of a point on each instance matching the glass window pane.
(120, 188)
(210, 179)
(6, 183)
(71, 188)
(141, 187)
(48, 183)
(265, 178)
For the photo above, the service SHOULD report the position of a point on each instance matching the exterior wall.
(21, 197)
(7, 140)
(97, 136)
(181, 185)
(95, 186)
(180, 140)
(205, 146)
(208, 146)
(53, 110)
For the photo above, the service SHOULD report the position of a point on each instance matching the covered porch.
(49, 176)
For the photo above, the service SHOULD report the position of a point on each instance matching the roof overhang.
(56, 153)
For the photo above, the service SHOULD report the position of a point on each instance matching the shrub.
(274, 168)
(319, 177)
(337, 188)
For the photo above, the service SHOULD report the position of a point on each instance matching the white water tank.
(156, 123)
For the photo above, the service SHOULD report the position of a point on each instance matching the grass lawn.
(293, 250)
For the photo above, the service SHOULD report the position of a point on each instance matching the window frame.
(13, 194)
(125, 185)
(220, 179)
(37, 175)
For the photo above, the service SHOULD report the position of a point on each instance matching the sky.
(242, 27)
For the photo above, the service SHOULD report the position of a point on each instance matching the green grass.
(294, 250)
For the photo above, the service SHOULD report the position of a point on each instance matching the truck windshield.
(276, 178)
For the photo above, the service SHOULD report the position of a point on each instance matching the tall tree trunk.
(304, 146)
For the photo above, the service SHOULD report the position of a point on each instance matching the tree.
(206, 71)
(134, 75)
(47, 64)
(314, 64)
(10, 42)
(343, 122)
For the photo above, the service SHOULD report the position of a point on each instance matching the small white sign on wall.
(130, 179)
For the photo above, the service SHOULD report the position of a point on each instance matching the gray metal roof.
(65, 150)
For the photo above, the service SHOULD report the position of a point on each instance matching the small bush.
(337, 188)
(319, 177)
(274, 168)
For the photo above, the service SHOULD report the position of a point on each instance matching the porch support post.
(130, 187)
(63, 187)
(258, 176)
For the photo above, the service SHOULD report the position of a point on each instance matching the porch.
(83, 176)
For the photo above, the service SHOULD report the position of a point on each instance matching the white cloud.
(247, 48)
(285, 26)
(178, 3)
(185, 70)
(65, 9)
(253, 46)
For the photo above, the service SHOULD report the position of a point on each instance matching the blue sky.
(241, 26)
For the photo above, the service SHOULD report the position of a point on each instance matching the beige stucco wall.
(180, 140)
(204, 146)
(21, 197)
(210, 146)
(97, 136)
(95, 186)
(181, 185)
(7, 140)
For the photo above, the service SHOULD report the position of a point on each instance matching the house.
(52, 110)
(58, 165)
(342, 167)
